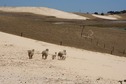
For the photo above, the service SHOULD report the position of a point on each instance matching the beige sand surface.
(108, 17)
(80, 66)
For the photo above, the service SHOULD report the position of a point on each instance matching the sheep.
(45, 54)
(62, 55)
(54, 56)
(30, 53)
(121, 81)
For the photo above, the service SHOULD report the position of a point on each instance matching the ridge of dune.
(44, 11)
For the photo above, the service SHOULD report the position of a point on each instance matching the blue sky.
(71, 5)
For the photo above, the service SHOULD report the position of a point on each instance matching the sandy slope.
(80, 67)
(44, 11)
(110, 17)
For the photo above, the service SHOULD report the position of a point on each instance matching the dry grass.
(46, 29)
(123, 16)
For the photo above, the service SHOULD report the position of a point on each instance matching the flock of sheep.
(61, 54)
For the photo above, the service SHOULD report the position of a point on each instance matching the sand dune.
(112, 17)
(57, 13)
(44, 11)
(80, 67)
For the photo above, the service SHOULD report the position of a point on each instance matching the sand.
(80, 66)
(56, 13)
(44, 11)
(109, 17)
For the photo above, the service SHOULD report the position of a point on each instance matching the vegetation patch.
(72, 33)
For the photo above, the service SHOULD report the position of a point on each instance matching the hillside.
(84, 63)
(60, 14)
(123, 16)
(104, 17)
(43, 11)
(54, 30)
(80, 66)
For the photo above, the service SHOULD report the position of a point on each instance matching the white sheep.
(62, 55)
(30, 53)
(45, 54)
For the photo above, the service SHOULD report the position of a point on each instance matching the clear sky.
(71, 5)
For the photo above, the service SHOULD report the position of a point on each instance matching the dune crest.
(44, 11)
